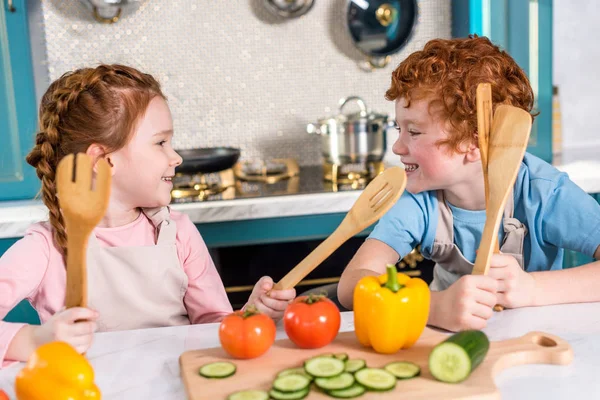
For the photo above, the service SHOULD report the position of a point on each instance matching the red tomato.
(247, 334)
(3, 395)
(311, 321)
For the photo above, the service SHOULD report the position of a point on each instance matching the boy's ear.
(472, 153)
(96, 152)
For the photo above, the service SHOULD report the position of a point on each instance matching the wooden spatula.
(82, 207)
(509, 136)
(375, 200)
(484, 123)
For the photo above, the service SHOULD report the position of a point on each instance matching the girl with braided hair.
(148, 266)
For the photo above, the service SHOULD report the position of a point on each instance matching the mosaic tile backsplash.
(235, 74)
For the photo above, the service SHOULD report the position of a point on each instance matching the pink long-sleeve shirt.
(33, 269)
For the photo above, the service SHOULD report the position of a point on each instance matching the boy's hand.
(466, 304)
(516, 288)
(62, 327)
(270, 302)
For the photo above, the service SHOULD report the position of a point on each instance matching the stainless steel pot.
(352, 138)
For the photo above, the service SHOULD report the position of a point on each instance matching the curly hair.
(448, 72)
(87, 106)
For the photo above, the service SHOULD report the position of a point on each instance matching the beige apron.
(141, 286)
(450, 262)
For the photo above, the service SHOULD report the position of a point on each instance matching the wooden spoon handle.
(343, 232)
(76, 290)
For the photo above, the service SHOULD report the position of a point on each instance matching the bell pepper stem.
(392, 279)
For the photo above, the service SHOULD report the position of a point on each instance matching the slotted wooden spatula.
(82, 207)
(375, 200)
(509, 136)
(484, 124)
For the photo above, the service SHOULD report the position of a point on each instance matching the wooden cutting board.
(259, 373)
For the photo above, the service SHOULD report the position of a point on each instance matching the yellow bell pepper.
(390, 311)
(55, 371)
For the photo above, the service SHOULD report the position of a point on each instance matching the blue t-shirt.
(558, 214)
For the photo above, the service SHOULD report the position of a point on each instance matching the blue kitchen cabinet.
(17, 104)
(524, 29)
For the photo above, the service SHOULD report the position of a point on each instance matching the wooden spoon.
(82, 207)
(484, 123)
(375, 200)
(508, 141)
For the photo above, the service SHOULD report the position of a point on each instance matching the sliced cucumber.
(297, 371)
(342, 381)
(219, 369)
(277, 395)
(375, 379)
(455, 358)
(291, 383)
(341, 356)
(403, 369)
(249, 395)
(324, 367)
(355, 365)
(349, 393)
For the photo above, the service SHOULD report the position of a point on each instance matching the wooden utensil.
(484, 123)
(511, 127)
(375, 200)
(259, 373)
(82, 207)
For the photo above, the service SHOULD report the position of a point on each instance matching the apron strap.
(444, 232)
(165, 227)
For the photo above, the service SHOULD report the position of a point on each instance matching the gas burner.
(270, 171)
(355, 175)
(203, 186)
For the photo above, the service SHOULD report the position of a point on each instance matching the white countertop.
(583, 168)
(143, 364)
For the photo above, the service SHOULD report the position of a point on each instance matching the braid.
(90, 105)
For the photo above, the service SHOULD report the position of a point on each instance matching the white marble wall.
(576, 58)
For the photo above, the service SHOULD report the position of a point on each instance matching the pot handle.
(361, 104)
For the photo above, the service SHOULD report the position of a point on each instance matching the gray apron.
(450, 262)
(140, 286)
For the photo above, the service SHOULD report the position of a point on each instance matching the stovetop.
(309, 181)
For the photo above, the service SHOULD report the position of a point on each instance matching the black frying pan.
(374, 38)
(207, 159)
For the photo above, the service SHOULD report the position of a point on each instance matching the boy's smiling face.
(428, 165)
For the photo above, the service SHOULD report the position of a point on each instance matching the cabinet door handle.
(11, 8)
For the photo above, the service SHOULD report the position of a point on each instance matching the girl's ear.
(96, 152)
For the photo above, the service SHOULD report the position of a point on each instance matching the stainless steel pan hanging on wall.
(380, 28)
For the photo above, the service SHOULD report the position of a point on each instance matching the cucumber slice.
(454, 359)
(297, 371)
(219, 369)
(349, 393)
(291, 383)
(341, 356)
(324, 367)
(277, 395)
(355, 365)
(342, 381)
(403, 369)
(375, 379)
(249, 395)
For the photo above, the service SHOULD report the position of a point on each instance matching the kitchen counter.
(143, 364)
(583, 168)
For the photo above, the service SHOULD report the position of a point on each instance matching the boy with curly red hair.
(443, 207)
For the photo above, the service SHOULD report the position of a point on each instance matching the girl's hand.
(76, 326)
(270, 302)
(467, 304)
(516, 288)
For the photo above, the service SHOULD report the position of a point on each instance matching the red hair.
(99, 105)
(448, 72)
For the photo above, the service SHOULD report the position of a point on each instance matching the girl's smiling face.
(430, 165)
(145, 166)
